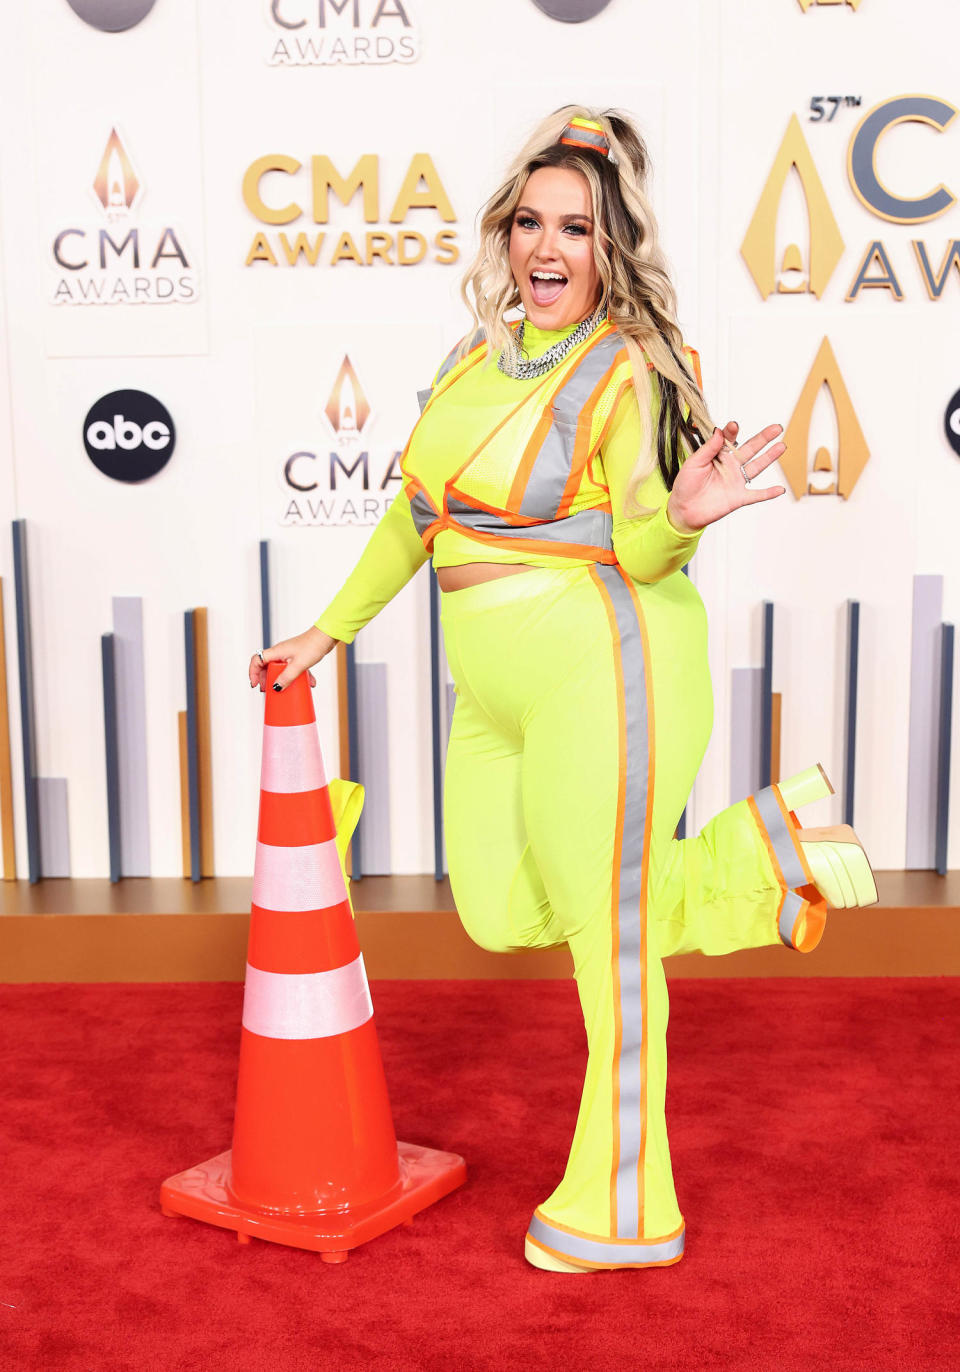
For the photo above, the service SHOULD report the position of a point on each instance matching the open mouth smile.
(546, 287)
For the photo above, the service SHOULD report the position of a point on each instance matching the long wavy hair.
(635, 281)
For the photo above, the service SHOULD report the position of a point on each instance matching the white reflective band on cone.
(306, 1005)
(305, 878)
(292, 760)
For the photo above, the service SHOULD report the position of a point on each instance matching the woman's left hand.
(710, 483)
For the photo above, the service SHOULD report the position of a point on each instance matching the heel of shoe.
(805, 787)
(840, 866)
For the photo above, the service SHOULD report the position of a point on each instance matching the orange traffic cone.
(315, 1161)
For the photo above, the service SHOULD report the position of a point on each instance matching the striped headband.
(587, 133)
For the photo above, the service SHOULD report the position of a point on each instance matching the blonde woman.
(561, 475)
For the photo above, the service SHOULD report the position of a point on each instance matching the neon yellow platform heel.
(536, 1257)
(838, 863)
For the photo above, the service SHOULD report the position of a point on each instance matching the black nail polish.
(277, 686)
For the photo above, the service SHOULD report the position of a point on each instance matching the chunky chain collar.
(520, 368)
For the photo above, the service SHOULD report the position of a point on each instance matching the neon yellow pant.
(583, 710)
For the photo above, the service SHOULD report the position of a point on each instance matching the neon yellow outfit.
(583, 710)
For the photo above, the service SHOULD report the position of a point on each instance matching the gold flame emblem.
(799, 273)
(115, 184)
(806, 4)
(830, 475)
(347, 408)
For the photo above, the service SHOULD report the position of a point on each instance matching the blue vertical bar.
(943, 759)
(853, 661)
(265, 593)
(193, 753)
(27, 724)
(353, 742)
(435, 726)
(112, 739)
(766, 695)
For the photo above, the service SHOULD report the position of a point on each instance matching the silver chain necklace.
(518, 367)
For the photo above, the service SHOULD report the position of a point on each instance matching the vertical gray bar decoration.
(746, 691)
(924, 717)
(193, 755)
(54, 826)
(435, 666)
(265, 593)
(946, 732)
(27, 719)
(353, 742)
(131, 703)
(853, 661)
(373, 770)
(766, 698)
(110, 732)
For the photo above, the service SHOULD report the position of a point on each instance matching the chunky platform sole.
(836, 857)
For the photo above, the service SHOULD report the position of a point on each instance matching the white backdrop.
(246, 365)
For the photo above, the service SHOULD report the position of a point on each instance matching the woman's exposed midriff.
(470, 573)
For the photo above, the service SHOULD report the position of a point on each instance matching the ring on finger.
(260, 656)
(746, 479)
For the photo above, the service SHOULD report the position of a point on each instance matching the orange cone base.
(426, 1175)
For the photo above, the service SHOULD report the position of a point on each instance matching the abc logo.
(129, 435)
(951, 423)
(571, 11)
(112, 16)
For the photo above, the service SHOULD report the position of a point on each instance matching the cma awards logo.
(823, 472)
(343, 485)
(802, 272)
(328, 33)
(124, 261)
(270, 180)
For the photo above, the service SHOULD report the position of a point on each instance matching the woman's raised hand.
(710, 483)
(300, 654)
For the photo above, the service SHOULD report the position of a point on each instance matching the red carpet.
(814, 1129)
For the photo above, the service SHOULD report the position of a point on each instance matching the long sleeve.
(648, 547)
(393, 554)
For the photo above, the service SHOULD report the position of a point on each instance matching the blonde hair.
(636, 287)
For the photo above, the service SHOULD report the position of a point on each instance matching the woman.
(561, 475)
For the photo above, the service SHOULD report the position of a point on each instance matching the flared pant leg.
(583, 709)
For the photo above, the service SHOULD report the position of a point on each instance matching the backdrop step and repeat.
(232, 240)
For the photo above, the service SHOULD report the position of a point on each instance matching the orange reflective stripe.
(694, 357)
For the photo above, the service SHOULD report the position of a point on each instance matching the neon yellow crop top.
(648, 547)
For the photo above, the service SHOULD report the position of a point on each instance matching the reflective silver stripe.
(306, 1005)
(298, 878)
(596, 1250)
(551, 470)
(423, 397)
(792, 905)
(291, 759)
(631, 916)
(573, 136)
(422, 511)
(592, 527)
(779, 835)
